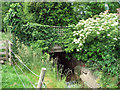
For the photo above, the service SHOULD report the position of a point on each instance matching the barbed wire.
(24, 74)
(24, 64)
(19, 77)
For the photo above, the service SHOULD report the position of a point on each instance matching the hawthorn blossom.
(115, 38)
(108, 34)
(98, 32)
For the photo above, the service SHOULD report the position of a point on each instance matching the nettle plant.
(97, 40)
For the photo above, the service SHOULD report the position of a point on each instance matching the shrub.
(96, 39)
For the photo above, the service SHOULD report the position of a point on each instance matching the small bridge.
(56, 48)
(5, 51)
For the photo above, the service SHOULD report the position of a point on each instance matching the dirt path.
(48, 82)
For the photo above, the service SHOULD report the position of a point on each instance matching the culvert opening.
(70, 67)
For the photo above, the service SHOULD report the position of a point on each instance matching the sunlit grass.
(11, 80)
(5, 36)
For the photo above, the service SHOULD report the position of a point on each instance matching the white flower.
(87, 33)
(101, 28)
(108, 34)
(79, 39)
(95, 21)
(101, 15)
(75, 40)
(115, 38)
(81, 35)
(91, 30)
(98, 32)
(92, 24)
(79, 31)
(77, 49)
(83, 41)
(74, 34)
(80, 44)
(89, 27)
(104, 23)
(116, 23)
(112, 24)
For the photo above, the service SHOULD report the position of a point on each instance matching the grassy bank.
(11, 80)
(35, 60)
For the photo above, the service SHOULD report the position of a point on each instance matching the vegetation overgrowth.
(35, 60)
(94, 40)
(58, 13)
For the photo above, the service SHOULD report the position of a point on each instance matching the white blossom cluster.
(92, 27)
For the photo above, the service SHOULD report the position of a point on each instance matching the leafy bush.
(96, 39)
(49, 13)
(33, 32)
(12, 19)
(67, 39)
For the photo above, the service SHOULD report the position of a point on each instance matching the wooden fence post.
(42, 74)
(7, 45)
(10, 53)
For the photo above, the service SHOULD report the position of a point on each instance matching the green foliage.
(84, 10)
(56, 13)
(109, 81)
(12, 19)
(49, 13)
(96, 39)
(39, 44)
(44, 36)
(5, 8)
(33, 32)
(67, 39)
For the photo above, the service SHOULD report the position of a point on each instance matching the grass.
(5, 36)
(35, 60)
(11, 80)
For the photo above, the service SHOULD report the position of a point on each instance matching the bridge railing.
(60, 29)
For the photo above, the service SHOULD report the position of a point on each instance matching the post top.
(43, 68)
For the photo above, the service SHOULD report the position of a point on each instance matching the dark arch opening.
(68, 65)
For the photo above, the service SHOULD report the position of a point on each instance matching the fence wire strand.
(24, 64)
(19, 77)
(24, 74)
(28, 69)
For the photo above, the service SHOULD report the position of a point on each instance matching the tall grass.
(6, 36)
(35, 60)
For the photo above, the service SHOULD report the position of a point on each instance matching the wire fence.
(43, 84)
(24, 64)
(19, 77)
(24, 73)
